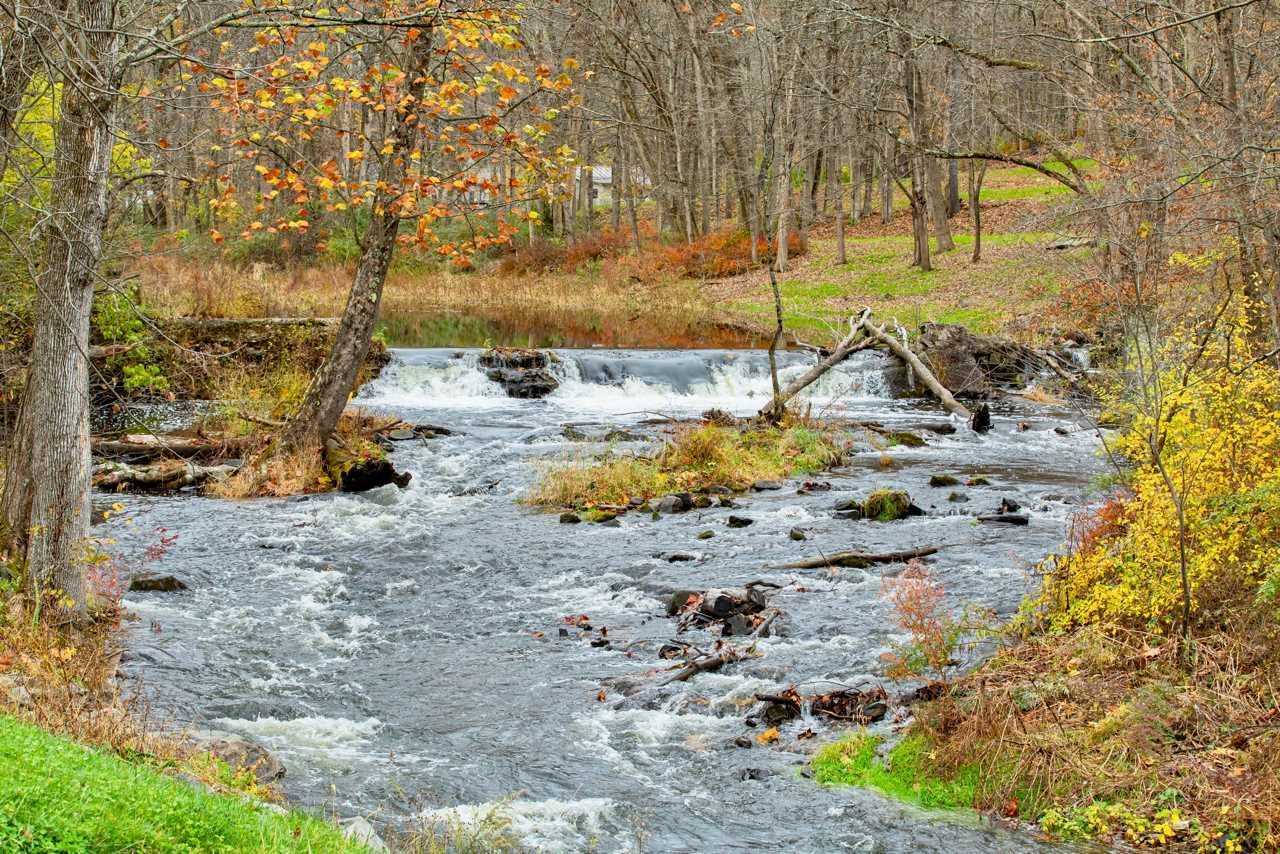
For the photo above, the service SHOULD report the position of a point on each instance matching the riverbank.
(1133, 699)
(61, 796)
(602, 291)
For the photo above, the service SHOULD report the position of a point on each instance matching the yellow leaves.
(570, 64)
(357, 155)
(1216, 425)
(769, 736)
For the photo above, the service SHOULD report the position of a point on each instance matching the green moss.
(886, 505)
(59, 796)
(902, 774)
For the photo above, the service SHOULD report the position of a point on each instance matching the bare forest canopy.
(451, 129)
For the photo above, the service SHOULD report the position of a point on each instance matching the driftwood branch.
(704, 664)
(859, 560)
(259, 420)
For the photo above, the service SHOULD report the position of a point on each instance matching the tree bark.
(45, 502)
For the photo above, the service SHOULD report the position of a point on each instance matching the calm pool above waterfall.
(399, 649)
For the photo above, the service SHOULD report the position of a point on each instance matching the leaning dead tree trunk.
(45, 504)
(852, 343)
(864, 334)
(897, 348)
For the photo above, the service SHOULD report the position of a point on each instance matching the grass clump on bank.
(56, 795)
(694, 460)
(855, 761)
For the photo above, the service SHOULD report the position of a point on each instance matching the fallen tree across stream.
(149, 447)
(865, 334)
(163, 476)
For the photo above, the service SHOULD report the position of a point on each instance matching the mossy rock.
(905, 439)
(940, 480)
(887, 505)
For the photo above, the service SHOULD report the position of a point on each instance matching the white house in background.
(602, 183)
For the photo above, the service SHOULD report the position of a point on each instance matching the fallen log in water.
(158, 477)
(931, 382)
(862, 335)
(148, 447)
(852, 343)
(858, 560)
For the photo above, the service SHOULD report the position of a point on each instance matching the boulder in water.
(370, 474)
(888, 505)
(740, 522)
(678, 502)
(521, 373)
(147, 583)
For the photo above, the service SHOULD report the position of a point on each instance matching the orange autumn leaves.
(336, 124)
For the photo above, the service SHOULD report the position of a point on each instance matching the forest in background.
(690, 167)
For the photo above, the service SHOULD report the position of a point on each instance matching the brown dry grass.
(1119, 717)
(278, 476)
(614, 306)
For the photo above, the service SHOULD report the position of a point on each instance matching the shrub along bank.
(1137, 697)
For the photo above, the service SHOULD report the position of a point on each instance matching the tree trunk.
(976, 174)
(46, 495)
(936, 204)
(842, 255)
(888, 166)
(327, 395)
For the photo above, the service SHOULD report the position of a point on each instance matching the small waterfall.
(611, 380)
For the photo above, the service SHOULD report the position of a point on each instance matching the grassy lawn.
(59, 796)
(1016, 272)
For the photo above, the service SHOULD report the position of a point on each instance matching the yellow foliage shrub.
(1202, 431)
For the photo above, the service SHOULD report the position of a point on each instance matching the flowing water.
(400, 651)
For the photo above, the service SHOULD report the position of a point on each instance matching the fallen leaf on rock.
(769, 736)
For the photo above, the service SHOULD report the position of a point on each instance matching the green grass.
(59, 796)
(821, 293)
(852, 761)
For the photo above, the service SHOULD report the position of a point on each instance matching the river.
(400, 651)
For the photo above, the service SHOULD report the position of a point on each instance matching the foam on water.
(546, 825)
(318, 736)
